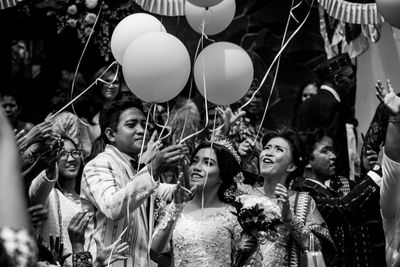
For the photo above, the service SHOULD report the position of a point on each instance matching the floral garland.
(80, 15)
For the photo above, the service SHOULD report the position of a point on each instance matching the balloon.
(228, 72)
(156, 67)
(204, 3)
(390, 10)
(130, 28)
(217, 18)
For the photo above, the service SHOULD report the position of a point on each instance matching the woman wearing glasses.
(58, 189)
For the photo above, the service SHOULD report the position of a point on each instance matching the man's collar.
(317, 182)
(120, 154)
(332, 91)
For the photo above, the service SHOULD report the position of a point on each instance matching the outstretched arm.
(391, 161)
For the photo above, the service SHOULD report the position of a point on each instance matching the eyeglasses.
(76, 154)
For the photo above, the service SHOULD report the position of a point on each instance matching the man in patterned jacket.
(119, 195)
(344, 208)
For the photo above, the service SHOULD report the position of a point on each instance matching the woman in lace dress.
(203, 232)
(282, 159)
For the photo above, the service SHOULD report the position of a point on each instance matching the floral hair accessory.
(226, 143)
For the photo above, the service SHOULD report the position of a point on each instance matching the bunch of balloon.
(390, 10)
(215, 18)
(155, 64)
(223, 73)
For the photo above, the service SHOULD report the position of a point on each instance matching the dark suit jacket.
(346, 217)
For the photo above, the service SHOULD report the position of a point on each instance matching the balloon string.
(206, 109)
(269, 69)
(200, 43)
(115, 244)
(273, 61)
(165, 126)
(206, 179)
(144, 138)
(83, 92)
(292, 9)
(80, 60)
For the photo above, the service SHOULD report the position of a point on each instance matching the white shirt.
(390, 198)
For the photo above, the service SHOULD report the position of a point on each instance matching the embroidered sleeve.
(82, 259)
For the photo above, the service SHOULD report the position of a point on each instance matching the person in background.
(328, 109)
(106, 90)
(346, 208)
(307, 90)
(11, 106)
(58, 189)
(244, 131)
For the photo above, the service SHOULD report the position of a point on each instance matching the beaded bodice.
(209, 242)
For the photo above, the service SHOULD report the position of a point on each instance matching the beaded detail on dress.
(210, 242)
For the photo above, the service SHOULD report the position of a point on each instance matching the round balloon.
(216, 18)
(130, 28)
(156, 67)
(390, 10)
(204, 3)
(227, 71)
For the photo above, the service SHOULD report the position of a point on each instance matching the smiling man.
(119, 198)
(345, 209)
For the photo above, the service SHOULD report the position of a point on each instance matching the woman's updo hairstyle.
(228, 163)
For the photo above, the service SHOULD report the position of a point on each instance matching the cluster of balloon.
(390, 10)
(224, 71)
(215, 18)
(155, 64)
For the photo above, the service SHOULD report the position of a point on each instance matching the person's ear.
(291, 168)
(336, 78)
(110, 133)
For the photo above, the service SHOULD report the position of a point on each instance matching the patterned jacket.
(110, 187)
(346, 216)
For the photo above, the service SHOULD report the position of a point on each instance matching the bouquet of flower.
(258, 223)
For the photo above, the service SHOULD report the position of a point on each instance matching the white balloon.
(227, 71)
(204, 3)
(156, 67)
(216, 18)
(130, 28)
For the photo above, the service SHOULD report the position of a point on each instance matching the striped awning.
(8, 3)
(163, 7)
(353, 11)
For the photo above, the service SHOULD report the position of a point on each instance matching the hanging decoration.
(348, 26)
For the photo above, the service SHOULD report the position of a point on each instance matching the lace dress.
(278, 251)
(210, 242)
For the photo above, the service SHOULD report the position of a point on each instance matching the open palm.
(388, 97)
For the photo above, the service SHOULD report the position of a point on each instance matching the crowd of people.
(114, 181)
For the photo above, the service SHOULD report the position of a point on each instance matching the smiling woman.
(282, 159)
(203, 231)
(58, 188)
